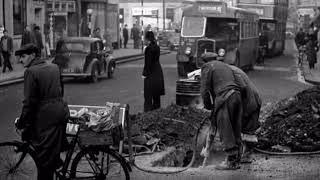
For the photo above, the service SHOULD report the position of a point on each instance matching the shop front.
(62, 19)
(103, 15)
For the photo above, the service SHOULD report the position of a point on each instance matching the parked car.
(169, 38)
(84, 57)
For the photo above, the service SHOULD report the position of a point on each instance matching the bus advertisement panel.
(231, 33)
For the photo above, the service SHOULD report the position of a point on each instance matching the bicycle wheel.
(17, 162)
(99, 163)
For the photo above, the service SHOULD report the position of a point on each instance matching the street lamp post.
(89, 13)
(164, 14)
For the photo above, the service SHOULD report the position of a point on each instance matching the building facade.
(158, 13)
(16, 14)
(81, 18)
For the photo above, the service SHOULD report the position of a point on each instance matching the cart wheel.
(99, 163)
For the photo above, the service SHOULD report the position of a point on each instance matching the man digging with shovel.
(224, 90)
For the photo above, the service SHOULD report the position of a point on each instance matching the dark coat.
(125, 33)
(44, 112)
(216, 79)
(250, 99)
(28, 37)
(9, 43)
(154, 81)
(221, 94)
(300, 38)
(135, 33)
(311, 47)
(38, 38)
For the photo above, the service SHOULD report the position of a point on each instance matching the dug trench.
(167, 134)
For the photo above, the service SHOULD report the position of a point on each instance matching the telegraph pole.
(164, 14)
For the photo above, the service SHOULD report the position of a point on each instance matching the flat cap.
(27, 49)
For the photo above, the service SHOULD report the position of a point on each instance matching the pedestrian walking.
(300, 38)
(97, 33)
(125, 36)
(121, 36)
(27, 36)
(135, 35)
(1, 34)
(222, 96)
(44, 112)
(38, 38)
(6, 48)
(263, 47)
(312, 48)
(152, 75)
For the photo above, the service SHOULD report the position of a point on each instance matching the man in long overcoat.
(28, 36)
(153, 75)
(125, 36)
(312, 47)
(135, 35)
(222, 95)
(44, 113)
(38, 38)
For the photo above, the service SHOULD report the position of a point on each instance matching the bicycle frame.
(70, 152)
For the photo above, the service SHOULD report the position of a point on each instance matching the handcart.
(114, 137)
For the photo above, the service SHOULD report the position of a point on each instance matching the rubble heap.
(173, 125)
(293, 124)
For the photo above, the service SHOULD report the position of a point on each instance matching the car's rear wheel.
(111, 69)
(94, 74)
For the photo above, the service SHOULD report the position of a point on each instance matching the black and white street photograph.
(159, 89)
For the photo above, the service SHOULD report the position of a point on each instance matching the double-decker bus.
(210, 26)
(272, 21)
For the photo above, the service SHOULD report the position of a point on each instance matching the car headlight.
(188, 51)
(221, 52)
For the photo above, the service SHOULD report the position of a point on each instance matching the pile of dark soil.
(171, 126)
(293, 123)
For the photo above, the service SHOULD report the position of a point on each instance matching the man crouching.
(222, 95)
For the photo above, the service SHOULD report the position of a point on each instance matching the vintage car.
(169, 38)
(84, 57)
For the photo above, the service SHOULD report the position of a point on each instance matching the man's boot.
(245, 153)
(230, 163)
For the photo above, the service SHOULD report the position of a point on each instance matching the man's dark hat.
(27, 49)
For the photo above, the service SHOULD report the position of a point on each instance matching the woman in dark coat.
(152, 74)
(311, 48)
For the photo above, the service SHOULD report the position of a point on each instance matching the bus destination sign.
(213, 9)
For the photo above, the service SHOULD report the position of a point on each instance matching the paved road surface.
(276, 80)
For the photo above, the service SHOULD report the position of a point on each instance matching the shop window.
(19, 15)
(170, 14)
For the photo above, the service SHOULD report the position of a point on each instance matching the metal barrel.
(188, 93)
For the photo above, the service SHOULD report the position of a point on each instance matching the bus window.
(193, 27)
(221, 28)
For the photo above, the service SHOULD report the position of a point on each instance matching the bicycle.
(18, 159)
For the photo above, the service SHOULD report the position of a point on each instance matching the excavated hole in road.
(292, 123)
